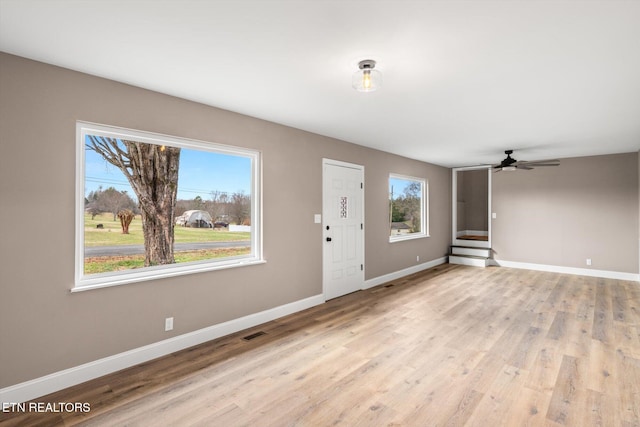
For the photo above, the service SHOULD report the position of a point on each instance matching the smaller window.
(407, 208)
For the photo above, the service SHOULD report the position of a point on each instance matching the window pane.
(406, 206)
(156, 203)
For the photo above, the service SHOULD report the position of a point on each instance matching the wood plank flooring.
(451, 346)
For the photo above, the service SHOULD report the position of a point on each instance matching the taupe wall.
(44, 328)
(585, 208)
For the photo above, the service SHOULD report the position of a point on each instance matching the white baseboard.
(38, 387)
(407, 271)
(606, 274)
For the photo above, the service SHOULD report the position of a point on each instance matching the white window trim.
(85, 282)
(424, 217)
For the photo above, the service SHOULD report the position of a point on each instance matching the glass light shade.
(366, 80)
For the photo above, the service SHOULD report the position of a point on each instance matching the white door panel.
(343, 234)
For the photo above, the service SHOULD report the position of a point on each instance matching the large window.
(407, 208)
(152, 206)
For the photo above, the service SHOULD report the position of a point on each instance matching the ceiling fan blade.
(524, 167)
(543, 164)
(545, 161)
(539, 163)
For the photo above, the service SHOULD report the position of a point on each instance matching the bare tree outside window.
(152, 172)
(407, 207)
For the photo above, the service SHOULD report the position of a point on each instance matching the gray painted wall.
(45, 329)
(585, 208)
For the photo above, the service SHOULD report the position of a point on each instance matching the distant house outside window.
(407, 208)
(152, 206)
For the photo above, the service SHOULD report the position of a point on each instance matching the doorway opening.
(471, 222)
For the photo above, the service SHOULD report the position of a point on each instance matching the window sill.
(394, 239)
(161, 272)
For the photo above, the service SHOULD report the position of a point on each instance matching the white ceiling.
(462, 80)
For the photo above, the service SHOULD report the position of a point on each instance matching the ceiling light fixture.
(367, 79)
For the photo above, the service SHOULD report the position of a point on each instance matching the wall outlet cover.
(168, 324)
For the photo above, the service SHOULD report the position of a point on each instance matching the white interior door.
(342, 228)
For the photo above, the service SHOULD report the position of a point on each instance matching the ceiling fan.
(511, 164)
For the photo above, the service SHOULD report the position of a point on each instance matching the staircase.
(464, 255)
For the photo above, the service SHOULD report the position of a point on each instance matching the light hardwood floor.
(453, 345)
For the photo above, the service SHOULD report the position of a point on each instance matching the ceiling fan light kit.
(509, 164)
(367, 78)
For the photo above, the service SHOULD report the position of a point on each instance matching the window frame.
(99, 280)
(424, 208)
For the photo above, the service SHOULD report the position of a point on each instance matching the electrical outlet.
(168, 324)
(418, 258)
(588, 261)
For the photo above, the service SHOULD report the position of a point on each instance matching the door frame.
(454, 208)
(331, 162)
